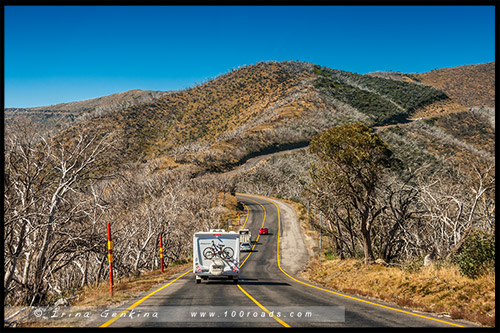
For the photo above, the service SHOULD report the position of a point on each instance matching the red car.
(263, 231)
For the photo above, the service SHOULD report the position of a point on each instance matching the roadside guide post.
(161, 255)
(320, 231)
(110, 259)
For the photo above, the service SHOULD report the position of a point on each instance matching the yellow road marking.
(339, 294)
(246, 218)
(258, 235)
(263, 308)
(109, 322)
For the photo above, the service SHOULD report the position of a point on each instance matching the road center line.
(263, 308)
(246, 218)
(248, 256)
(258, 235)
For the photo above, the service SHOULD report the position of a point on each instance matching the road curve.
(267, 294)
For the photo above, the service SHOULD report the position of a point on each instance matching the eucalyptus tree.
(347, 177)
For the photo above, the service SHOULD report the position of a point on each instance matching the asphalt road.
(267, 293)
(254, 161)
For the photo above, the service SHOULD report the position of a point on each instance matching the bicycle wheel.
(208, 253)
(227, 253)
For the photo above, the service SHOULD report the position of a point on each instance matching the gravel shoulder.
(295, 248)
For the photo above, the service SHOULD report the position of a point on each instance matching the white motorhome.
(245, 236)
(216, 255)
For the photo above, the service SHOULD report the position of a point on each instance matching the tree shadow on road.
(257, 282)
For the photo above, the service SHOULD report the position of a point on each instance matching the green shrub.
(330, 255)
(477, 254)
(414, 265)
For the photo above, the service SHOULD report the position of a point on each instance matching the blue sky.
(56, 54)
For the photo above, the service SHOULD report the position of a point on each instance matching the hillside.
(450, 140)
(384, 100)
(469, 85)
(258, 108)
(218, 122)
(262, 107)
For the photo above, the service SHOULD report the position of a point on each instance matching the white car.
(245, 247)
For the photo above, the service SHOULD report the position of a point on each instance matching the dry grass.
(124, 289)
(436, 288)
(438, 109)
(231, 205)
(469, 85)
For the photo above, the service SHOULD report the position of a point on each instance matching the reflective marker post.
(161, 256)
(110, 259)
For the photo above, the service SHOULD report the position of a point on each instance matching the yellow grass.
(124, 289)
(434, 288)
(438, 109)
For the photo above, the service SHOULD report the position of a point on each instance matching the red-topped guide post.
(161, 255)
(110, 259)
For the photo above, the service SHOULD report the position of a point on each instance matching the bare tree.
(400, 220)
(456, 204)
(44, 184)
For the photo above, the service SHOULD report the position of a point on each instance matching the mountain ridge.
(487, 68)
(255, 108)
(75, 106)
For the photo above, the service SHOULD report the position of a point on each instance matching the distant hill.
(469, 85)
(58, 116)
(103, 104)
